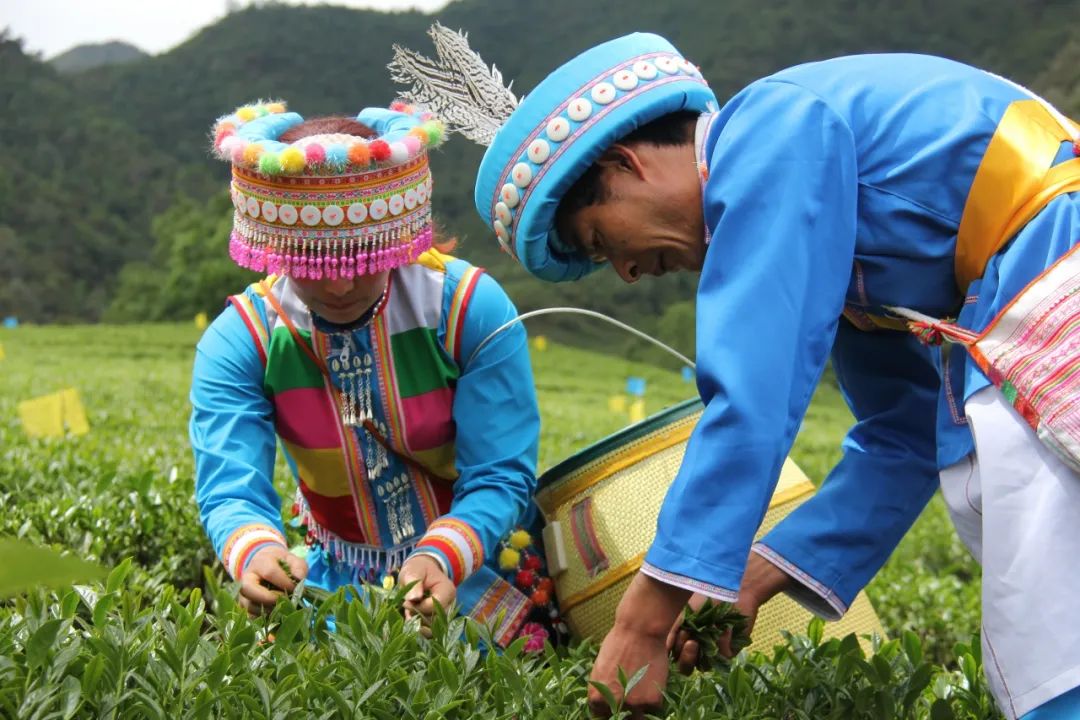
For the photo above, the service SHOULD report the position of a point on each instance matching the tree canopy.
(110, 205)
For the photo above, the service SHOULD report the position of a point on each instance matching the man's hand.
(265, 566)
(761, 582)
(431, 586)
(639, 638)
(683, 648)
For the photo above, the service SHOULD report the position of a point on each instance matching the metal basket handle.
(587, 313)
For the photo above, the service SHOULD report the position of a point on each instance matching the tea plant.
(138, 647)
(162, 638)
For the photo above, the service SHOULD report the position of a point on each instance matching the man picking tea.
(830, 208)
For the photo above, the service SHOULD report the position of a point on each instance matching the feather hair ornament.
(459, 87)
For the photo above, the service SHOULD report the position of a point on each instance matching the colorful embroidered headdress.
(328, 206)
(552, 136)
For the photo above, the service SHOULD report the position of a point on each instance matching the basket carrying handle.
(587, 313)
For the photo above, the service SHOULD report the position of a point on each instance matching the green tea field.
(161, 635)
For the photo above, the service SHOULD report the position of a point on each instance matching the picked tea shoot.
(708, 625)
(311, 594)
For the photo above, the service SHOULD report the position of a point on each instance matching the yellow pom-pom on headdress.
(293, 160)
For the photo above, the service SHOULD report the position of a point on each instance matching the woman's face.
(341, 301)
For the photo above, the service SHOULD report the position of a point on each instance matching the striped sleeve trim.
(811, 594)
(243, 543)
(688, 583)
(434, 555)
(457, 543)
(455, 319)
(255, 325)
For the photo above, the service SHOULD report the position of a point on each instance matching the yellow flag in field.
(539, 343)
(617, 403)
(201, 321)
(50, 415)
(637, 410)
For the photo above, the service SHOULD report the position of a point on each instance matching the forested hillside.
(85, 57)
(92, 158)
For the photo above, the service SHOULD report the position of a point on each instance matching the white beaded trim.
(558, 129)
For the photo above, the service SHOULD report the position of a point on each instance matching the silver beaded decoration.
(396, 497)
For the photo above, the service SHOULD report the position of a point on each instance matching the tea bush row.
(135, 647)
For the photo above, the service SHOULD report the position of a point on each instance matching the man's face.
(341, 301)
(648, 223)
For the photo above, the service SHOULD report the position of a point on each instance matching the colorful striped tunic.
(409, 482)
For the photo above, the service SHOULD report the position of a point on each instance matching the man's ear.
(623, 158)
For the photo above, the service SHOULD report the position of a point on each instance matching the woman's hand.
(431, 587)
(266, 567)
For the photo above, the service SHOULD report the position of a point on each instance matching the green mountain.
(85, 57)
(153, 115)
(78, 190)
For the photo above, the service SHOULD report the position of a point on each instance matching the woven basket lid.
(617, 440)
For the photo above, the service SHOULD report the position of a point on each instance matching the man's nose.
(628, 270)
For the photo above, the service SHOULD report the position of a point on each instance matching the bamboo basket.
(601, 505)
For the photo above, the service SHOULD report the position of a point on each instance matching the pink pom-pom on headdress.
(224, 130)
(227, 145)
(236, 150)
(412, 144)
(315, 154)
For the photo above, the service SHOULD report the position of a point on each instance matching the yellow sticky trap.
(539, 343)
(637, 411)
(617, 403)
(50, 415)
(43, 416)
(2, 355)
(201, 321)
(74, 412)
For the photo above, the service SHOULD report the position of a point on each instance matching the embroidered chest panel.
(366, 416)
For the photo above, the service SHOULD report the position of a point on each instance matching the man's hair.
(674, 128)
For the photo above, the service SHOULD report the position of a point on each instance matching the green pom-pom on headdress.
(270, 163)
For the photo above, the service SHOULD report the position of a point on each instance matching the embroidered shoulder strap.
(284, 316)
(253, 319)
(455, 319)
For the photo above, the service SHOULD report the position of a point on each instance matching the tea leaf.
(912, 647)
(117, 576)
(605, 692)
(39, 644)
(289, 628)
(26, 566)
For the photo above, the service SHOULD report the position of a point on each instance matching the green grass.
(126, 488)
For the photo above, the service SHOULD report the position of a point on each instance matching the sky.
(50, 27)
